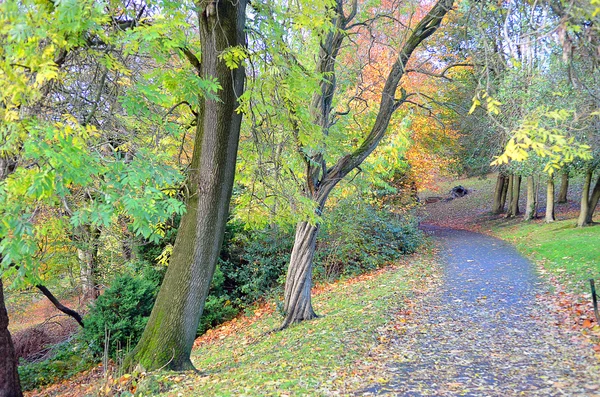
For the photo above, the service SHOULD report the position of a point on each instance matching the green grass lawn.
(330, 355)
(570, 253)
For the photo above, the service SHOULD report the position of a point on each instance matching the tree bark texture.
(498, 204)
(550, 201)
(297, 303)
(564, 188)
(169, 335)
(321, 179)
(9, 377)
(584, 207)
(530, 208)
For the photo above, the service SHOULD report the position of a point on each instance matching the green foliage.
(120, 314)
(67, 359)
(545, 133)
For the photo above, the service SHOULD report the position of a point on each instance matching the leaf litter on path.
(486, 331)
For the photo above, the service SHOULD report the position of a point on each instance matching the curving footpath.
(485, 334)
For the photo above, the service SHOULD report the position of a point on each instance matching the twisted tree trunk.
(297, 303)
(320, 179)
(169, 335)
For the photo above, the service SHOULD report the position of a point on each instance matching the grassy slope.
(333, 355)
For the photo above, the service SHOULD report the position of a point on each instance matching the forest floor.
(474, 319)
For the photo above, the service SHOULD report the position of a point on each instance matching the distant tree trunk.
(550, 201)
(498, 205)
(530, 209)
(564, 188)
(584, 207)
(504, 192)
(515, 188)
(593, 202)
(88, 261)
(171, 329)
(9, 377)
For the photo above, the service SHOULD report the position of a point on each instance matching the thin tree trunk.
(584, 208)
(9, 377)
(531, 199)
(498, 205)
(564, 188)
(593, 202)
(88, 261)
(514, 210)
(550, 201)
(509, 194)
(297, 303)
(504, 192)
(169, 335)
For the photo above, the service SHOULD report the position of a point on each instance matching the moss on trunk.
(169, 335)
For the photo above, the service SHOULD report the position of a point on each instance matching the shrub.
(68, 358)
(120, 314)
(350, 245)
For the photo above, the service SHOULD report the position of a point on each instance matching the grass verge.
(570, 253)
(333, 355)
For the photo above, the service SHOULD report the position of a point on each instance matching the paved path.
(484, 333)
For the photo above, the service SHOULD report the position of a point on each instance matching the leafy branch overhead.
(547, 133)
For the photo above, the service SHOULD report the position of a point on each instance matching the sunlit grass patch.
(571, 254)
(327, 356)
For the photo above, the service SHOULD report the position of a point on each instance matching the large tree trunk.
(530, 210)
(297, 303)
(584, 208)
(498, 205)
(593, 202)
(564, 188)
(169, 335)
(9, 377)
(550, 201)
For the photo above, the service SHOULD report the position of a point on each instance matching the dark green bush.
(357, 237)
(120, 314)
(251, 267)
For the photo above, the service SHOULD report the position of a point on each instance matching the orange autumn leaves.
(425, 126)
